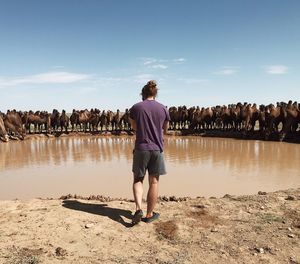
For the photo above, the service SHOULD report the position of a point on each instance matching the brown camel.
(3, 132)
(13, 123)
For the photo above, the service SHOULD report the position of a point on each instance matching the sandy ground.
(262, 228)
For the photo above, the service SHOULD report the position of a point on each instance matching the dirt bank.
(263, 228)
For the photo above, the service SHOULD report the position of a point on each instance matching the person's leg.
(138, 191)
(140, 159)
(152, 194)
(138, 196)
(156, 167)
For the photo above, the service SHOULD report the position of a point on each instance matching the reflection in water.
(238, 155)
(63, 151)
(102, 165)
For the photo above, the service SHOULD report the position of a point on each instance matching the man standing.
(150, 120)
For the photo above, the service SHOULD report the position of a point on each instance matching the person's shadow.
(100, 209)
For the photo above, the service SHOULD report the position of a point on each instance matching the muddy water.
(102, 165)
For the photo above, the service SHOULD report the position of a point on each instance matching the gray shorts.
(151, 160)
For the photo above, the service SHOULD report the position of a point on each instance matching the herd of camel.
(280, 119)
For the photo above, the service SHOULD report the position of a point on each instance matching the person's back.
(149, 119)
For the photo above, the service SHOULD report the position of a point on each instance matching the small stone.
(291, 235)
(261, 193)
(89, 225)
(290, 198)
(268, 248)
(173, 199)
(214, 230)
(290, 229)
(293, 260)
(296, 224)
(165, 198)
(183, 199)
(227, 196)
(262, 207)
(60, 252)
(260, 250)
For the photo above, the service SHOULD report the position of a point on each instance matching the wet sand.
(197, 166)
(261, 228)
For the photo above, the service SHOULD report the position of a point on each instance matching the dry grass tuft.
(294, 216)
(167, 229)
(25, 256)
(203, 218)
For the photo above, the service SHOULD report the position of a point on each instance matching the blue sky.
(83, 54)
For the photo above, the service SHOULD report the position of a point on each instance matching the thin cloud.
(151, 60)
(45, 78)
(153, 63)
(179, 60)
(227, 70)
(276, 69)
(159, 66)
(148, 61)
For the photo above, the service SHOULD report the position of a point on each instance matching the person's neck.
(150, 98)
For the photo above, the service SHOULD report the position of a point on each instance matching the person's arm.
(133, 123)
(166, 127)
(166, 123)
(132, 117)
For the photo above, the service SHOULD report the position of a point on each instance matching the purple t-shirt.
(149, 116)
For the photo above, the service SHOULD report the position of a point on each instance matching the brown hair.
(149, 90)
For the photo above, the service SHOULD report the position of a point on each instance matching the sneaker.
(137, 217)
(148, 220)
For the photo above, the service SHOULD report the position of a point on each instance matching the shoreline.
(239, 135)
(260, 228)
(161, 198)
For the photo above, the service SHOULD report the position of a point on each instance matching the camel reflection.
(238, 155)
(63, 151)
